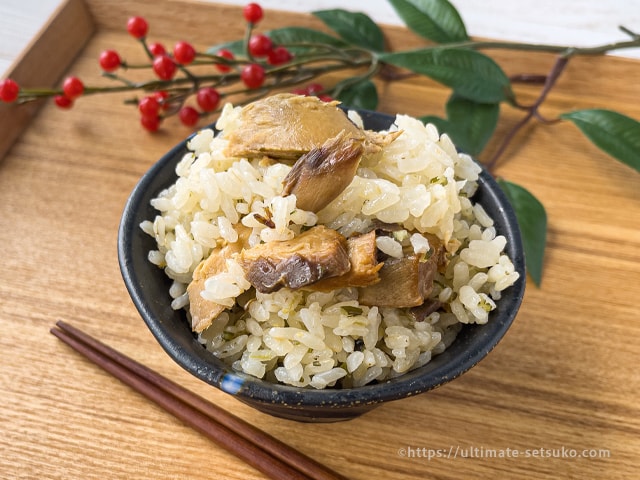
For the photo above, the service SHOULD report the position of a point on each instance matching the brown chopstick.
(257, 448)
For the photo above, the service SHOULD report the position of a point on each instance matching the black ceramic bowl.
(148, 287)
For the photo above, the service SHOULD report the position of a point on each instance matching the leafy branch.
(479, 86)
(292, 57)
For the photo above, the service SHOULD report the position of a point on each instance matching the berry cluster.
(178, 88)
(165, 66)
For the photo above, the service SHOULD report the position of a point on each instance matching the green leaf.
(471, 74)
(532, 220)
(356, 28)
(436, 20)
(612, 132)
(361, 95)
(476, 121)
(469, 124)
(290, 35)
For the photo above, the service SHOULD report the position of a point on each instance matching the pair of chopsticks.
(257, 448)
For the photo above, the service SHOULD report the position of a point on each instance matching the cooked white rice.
(318, 339)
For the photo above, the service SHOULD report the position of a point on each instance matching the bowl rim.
(203, 365)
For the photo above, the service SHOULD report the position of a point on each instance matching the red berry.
(279, 56)
(109, 60)
(260, 45)
(149, 106)
(72, 87)
(188, 116)
(184, 53)
(208, 99)
(299, 91)
(252, 75)
(9, 90)
(62, 101)
(325, 98)
(157, 49)
(252, 13)
(161, 97)
(164, 67)
(224, 53)
(137, 27)
(150, 122)
(314, 88)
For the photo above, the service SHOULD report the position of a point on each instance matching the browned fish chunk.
(406, 281)
(203, 312)
(421, 312)
(318, 253)
(323, 173)
(286, 126)
(364, 265)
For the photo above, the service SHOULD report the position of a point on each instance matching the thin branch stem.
(552, 78)
(530, 78)
(563, 50)
(373, 69)
(633, 35)
(315, 59)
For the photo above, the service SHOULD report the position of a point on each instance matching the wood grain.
(564, 377)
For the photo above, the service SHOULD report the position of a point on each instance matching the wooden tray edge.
(43, 62)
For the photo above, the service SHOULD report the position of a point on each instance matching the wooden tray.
(558, 398)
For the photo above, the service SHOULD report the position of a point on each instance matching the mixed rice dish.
(308, 251)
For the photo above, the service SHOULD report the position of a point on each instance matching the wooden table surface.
(564, 379)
